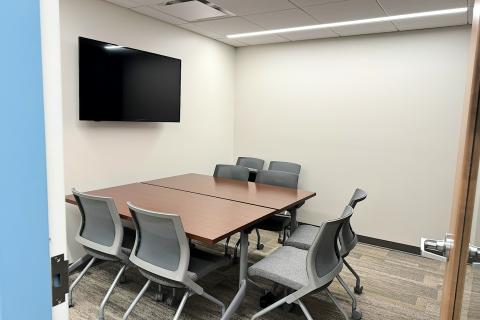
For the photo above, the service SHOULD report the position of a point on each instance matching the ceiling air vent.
(194, 10)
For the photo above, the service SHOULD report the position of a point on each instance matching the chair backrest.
(324, 261)
(285, 166)
(358, 195)
(277, 178)
(253, 163)
(231, 172)
(348, 237)
(100, 228)
(161, 246)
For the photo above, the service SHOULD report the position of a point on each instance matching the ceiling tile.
(263, 39)
(125, 3)
(432, 22)
(306, 3)
(148, 2)
(346, 10)
(394, 7)
(154, 13)
(309, 34)
(227, 26)
(232, 42)
(365, 29)
(193, 27)
(282, 19)
(244, 7)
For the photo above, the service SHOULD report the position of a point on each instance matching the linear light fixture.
(351, 23)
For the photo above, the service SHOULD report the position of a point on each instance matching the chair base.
(358, 289)
(77, 280)
(160, 295)
(109, 293)
(356, 314)
(171, 300)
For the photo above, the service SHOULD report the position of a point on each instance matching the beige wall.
(381, 112)
(104, 154)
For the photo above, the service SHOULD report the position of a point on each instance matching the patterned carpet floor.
(397, 286)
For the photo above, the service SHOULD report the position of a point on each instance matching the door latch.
(440, 250)
(437, 249)
(474, 254)
(59, 279)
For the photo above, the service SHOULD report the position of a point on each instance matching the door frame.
(52, 92)
(465, 183)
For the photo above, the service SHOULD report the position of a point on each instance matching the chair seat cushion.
(274, 223)
(302, 237)
(122, 255)
(201, 264)
(286, 266)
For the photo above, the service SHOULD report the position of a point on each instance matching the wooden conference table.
(211, 209)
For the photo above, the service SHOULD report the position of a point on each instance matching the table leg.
(293, 219)
(242, 283)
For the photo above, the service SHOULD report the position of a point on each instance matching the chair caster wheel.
(267, 300)
(356, 315)
(358, 290)
(260, 246)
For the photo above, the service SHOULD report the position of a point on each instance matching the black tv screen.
(123, 84)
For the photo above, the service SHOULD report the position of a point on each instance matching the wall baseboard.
(389, 244)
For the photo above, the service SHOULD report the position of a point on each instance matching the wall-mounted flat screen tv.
(123, 84)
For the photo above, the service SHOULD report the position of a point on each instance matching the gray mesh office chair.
(101, 235)
(305, 271)
(278, 222)
(305, 234)
(251, 163)
(285, 166)
(163, 255)
(231, 172)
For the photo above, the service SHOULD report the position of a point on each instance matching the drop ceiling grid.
(258, 15)
(395, 7)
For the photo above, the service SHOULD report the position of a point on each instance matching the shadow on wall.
(122, 125)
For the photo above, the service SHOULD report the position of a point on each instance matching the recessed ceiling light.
(350, 23)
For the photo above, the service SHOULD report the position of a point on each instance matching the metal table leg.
(242, 283)
(293, 219)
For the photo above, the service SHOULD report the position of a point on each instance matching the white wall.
(105, 154)
(381, 112)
